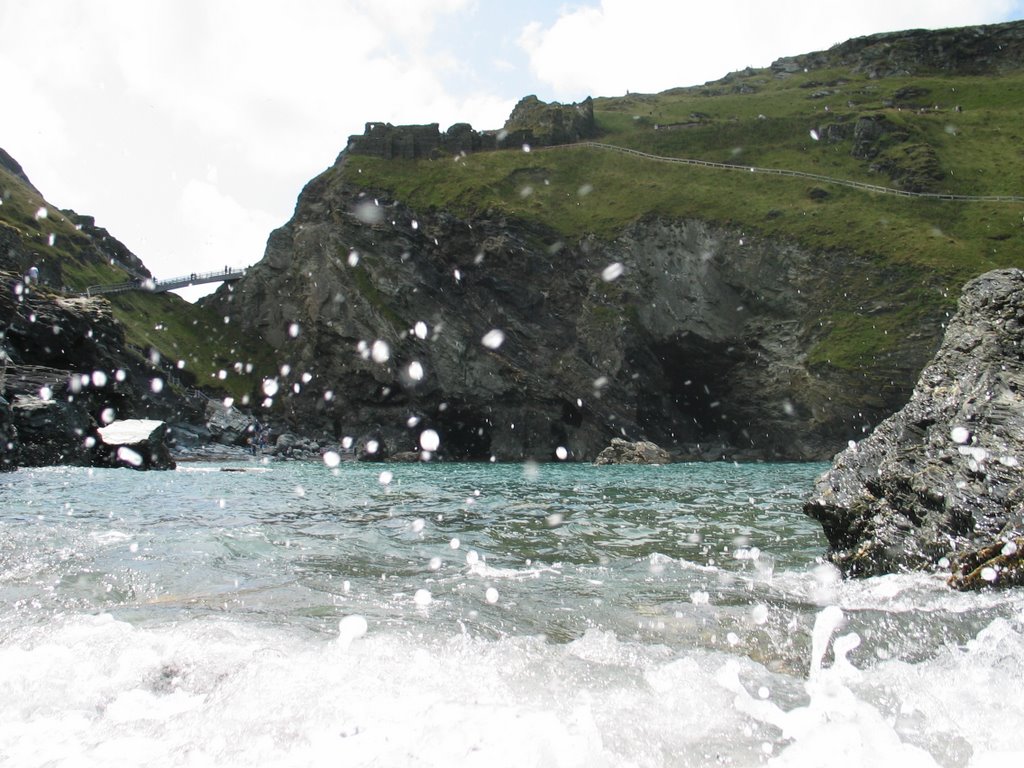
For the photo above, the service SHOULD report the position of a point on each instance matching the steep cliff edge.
(694, 335)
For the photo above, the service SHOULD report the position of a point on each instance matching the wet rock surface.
(639, 452)
(693, 335)
(940, 483)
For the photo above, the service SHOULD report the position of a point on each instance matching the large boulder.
(52, 432)
(135, 443)
(227, 425)
(625, 452)
(940, 484)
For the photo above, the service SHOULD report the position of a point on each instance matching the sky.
(187, 128)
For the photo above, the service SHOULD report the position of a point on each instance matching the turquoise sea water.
(476, 614)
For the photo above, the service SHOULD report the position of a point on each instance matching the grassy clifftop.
(71, 253)
(938, 129)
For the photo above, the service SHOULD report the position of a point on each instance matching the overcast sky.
(188, 127)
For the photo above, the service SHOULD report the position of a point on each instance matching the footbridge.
(153, 285)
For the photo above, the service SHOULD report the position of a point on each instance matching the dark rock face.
(69, 370)
(52, 432)
(640, 452)
(942, 478)
(692, 335)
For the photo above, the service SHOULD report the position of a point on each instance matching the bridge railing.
(170, 284)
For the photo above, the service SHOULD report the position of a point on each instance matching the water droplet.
(45, 393)
(420, 329)
(491, 595)
(422, 597)
(107, 415)
(415, 371)
(429, 440)
(368, 212)
(380, 352)
(332, 459)
(454, 543)
(386, 477)
(612, 272)
(156, 385)
(814, 134)
(353, 258)
(270, 387)
(493, 339)
(99, 379)
(128, 456)
(561, 453)
(351, 628)
(294, 330)
(41, 214)
(960, 435)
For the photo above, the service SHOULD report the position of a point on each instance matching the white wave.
(92, 691)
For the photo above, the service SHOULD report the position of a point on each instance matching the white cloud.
(651, 45)
(118, 101)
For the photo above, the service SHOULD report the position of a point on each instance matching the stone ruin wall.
(532, 122)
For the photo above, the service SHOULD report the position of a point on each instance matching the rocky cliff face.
(66, 370)
(510, 342)
(940, 482)
(961, 50)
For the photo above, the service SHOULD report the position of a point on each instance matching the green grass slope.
(72, 254)
(935, 133)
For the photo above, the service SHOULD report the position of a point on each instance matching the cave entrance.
(688, 395)
(465, 433)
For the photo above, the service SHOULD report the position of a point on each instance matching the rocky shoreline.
(939, 485)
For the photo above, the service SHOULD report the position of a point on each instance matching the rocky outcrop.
(134, 443)
(69, 370)
(958, 51)
(639, 452)
(510, 341)
(548, 124)
(53, 432)
(227, 425)
(532, 122)
(941, 483)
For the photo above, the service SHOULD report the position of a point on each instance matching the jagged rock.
(135, 443)
(53, 432)
(956, 51)
(704, 337)
(228, 425)
(625, 452)
(942, 480)
(552, 123)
